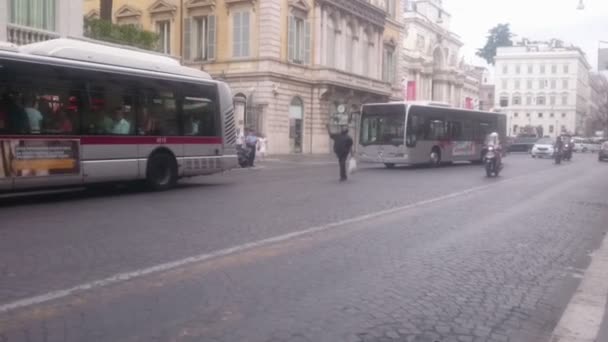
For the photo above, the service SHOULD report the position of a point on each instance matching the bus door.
(6, 179)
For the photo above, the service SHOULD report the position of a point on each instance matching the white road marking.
(583, 317)
(126, 276)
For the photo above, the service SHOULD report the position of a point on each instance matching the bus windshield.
(383, 125)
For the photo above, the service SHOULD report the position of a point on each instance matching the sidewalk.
(301, 159)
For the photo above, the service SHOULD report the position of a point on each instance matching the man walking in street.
(343, 145)
(251, 140)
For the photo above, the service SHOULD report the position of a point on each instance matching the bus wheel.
(435, 157)
(389, 165)
(162, 171)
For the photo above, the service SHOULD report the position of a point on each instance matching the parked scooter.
(243, 153)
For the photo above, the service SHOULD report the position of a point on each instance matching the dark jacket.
(343, 144)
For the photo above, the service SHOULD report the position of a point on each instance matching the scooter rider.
(493, 140)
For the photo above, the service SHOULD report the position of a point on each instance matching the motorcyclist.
(559, 145)
(493, 140)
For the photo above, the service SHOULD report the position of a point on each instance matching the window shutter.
(187, 39)
(291, 43)
(211, 37)
(236, 39)
(307, 38)
(245, 27)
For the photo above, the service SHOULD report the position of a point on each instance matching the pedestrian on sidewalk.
(343, 145)
(262, 146)
(251, 140)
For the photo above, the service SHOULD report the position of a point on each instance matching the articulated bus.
(74, 112)
(409, 133)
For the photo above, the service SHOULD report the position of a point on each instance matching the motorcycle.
(559, 154)
(243, 153)
(492, 163)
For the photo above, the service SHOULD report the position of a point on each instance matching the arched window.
(367, 50)
(349, 47)
(332, 39)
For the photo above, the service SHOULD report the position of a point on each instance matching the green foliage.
(120, 34)
(498, 36)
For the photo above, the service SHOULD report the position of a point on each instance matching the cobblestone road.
(466, 259)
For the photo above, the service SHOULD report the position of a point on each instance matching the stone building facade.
(543, 84)
(430, 64)
(27, 21)
(291, 63)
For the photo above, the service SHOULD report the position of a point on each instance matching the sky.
(533, 19)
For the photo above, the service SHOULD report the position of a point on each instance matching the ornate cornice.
(127, 11)
(195, 4)
(162, 6)
(360, 9)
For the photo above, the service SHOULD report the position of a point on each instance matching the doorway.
(296, 115)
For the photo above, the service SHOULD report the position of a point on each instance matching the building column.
(380, 52)
(418, 81)
(319, 35)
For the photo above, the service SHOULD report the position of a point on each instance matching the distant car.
(603, 153)
(543, 148)
(523, 143)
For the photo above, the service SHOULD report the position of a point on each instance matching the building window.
(565, 84)
(518, 69)
(390, 8)
(388, 72)
(566, 69)
(564, 130)
(552, 115)
(553, 84)
(515, 115)
(504, 101)
(516, 100)
(554, 69)
(551, 128)
(530, 69)
(541, 84)
(528, 100)
(540, 115)
(540, 100)
(505, 84)
(420, 42)
(332, 38)
(490, 96)
(299, 40)
(542, 68)
(367, 51)
(529, 84)
(552, 100)
(34, 13)
(163, 28)
(517, 84)
(565, 100)
(515, 129)
(528, 115)
(240, 34)
(505, 69)
(563, 115)
(350, 43)
(199, 38)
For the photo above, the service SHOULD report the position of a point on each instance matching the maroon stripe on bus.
(122, 140)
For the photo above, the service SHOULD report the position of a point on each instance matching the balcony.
(22, 35)
(351, 81)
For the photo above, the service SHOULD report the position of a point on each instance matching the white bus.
(73, 113)
(402, 133)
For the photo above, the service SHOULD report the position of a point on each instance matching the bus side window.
(199, 110)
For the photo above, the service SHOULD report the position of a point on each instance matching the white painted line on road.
(123, 277)
(583, 317)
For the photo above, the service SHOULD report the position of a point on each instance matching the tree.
(105, 9)
(498, 36)
(120, 34)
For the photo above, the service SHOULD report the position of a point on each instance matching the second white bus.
(401, 133)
